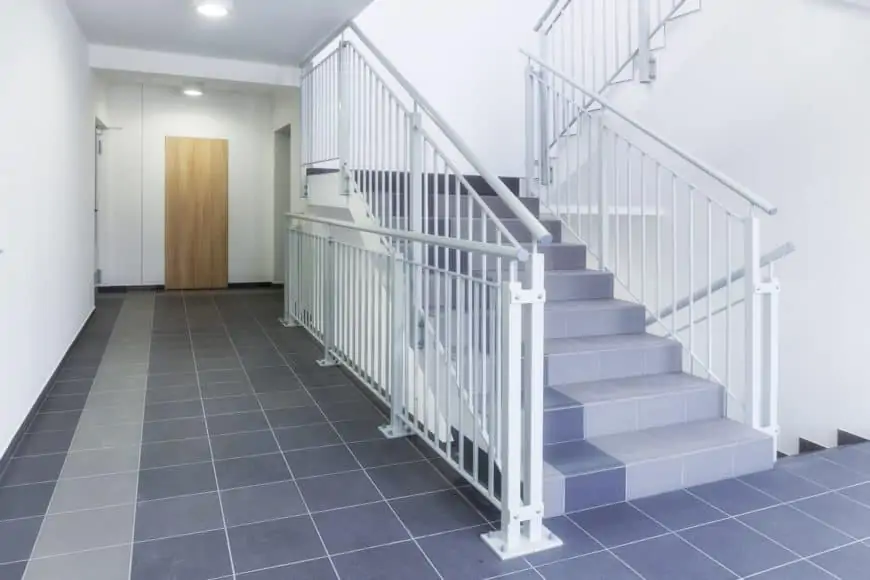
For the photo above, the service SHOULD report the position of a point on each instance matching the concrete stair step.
(444, 205)
(582, 318)
(568, 285)
(595, 409)
(573, 360)
(580, 475)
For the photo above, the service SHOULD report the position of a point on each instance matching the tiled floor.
(192, 437)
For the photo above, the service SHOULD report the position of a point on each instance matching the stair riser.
(589, 287)
(563, 369)
(603, 322)
(630, 415)
(670, 473)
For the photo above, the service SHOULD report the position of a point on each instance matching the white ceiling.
(272, 31)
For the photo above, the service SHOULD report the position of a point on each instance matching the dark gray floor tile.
(171, 453)
(433, 513)
(25, 500)
(247, 471)
(173, 430)
(184, 393)
(248, 505)
(17, 538)
(575, 542)
(825, 473)
(44, 443)
(230, 389)
(228, 405)
(362, 430)
(678, 510)
(335, 491)
(849, 563)
(737, 547)
(295, 417)
(462, 555)
(238, 423)
(394, 562)
(182, 365)
(178, 516)
(67, 421)
(839, 512)
(243, 444)
(274, 543)
(222, 376)
(617, 524)
(359, 527)
(285, 400)
(859, 493)
(309, 436)
(37, 469)
(408, 479)
(173, 410)
(796, 571)
(384, 452)
(783, 485)
(578, 457)
(55, 404)
(218, 363)
(194, 557)
(850, 458)
(669, 557)
(171, 380)
(313, 570)
(598, 566)
(733, 497)
(73, 387)
(351, 411)
(320, 461)
(342, 394)
(12, 571)
(320, 378)
(795, 530)
(175, 481)
(76, 373)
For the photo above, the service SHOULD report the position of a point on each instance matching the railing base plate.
(393, 432)
(495, 541)
(288, 322)
(326, 362)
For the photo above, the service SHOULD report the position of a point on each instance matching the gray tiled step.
(441, 205)
(480, 229)
(557, 256)
(581, 318)
(594, 409)
(584, 474)
(578, 285)
(574, 360)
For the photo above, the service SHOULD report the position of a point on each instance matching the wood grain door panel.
(197, 175)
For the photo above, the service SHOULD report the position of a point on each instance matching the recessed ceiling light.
(192, 91)
(214, 8)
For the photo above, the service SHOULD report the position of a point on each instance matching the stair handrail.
(550, 9)
(753, 199)
(539, 233)
(735, 276)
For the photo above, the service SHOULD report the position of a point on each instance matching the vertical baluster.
(616, 196)
(674, 255)
(691, 248)
(658, 222)
(628, 209)
(728, 302)
(643, 272)
(710, 288)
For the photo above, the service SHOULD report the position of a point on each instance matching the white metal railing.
(361, 115)
(663, 222)
(462, 381)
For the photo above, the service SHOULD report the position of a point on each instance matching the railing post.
(771, 288)
(329, 295)
(521, 440)
(416, 201)
(289, 277)
(752, 302)
(603, 207)
(543, 106)
(644, 49)
(399, 341)
(344, 117)
(530, 188)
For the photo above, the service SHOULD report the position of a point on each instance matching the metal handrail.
(738, 274)
(539, 233)
(510, 252)
(751, 198)
(550, 9)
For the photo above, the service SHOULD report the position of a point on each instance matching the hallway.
(192, 437)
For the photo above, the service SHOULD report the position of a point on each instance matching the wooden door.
(196, 213)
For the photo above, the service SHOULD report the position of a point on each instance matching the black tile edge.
(252, 285)
(31, 415)
(846, 438)
(125, 289)
(807, 446)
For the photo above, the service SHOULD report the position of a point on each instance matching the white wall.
(463, 57)
(785, 113)
(46, 195)
(132, 206)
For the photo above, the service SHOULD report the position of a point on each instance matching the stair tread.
(610, 390)
(603, 343)
(614, 451)
(592, 304)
